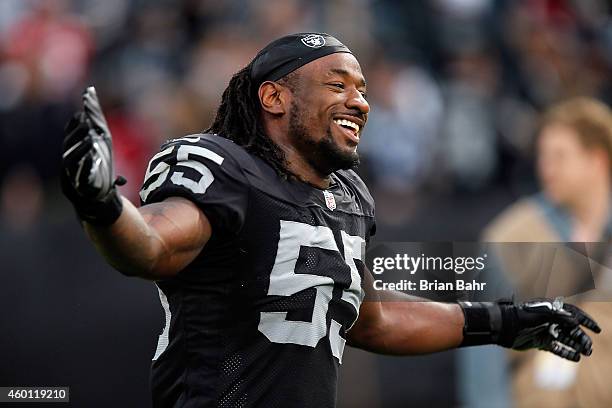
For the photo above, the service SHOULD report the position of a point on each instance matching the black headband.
(288, 53)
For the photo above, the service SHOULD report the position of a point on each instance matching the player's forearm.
(408, 327)
(130, 245)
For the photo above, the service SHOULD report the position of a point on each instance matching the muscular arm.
(155, 241)
(404, 325)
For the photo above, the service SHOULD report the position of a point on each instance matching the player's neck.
(304, 172)
(297, 164)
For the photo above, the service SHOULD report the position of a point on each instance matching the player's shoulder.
(193, 163)
(215, 143)
(206, 147)
(205, 169)
(351, 180)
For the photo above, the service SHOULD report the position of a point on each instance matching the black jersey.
(259, 317)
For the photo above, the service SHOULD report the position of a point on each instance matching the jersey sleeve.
(202, 171)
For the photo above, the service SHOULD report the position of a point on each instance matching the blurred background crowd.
(456, 89)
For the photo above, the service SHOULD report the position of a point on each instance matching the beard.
(324, 155)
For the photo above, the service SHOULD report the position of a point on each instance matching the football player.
(254, 233)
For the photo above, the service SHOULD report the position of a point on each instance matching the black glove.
(88, 175)
(543, 324)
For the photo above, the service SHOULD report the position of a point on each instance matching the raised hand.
(87, 160)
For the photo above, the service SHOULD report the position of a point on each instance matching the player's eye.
(364, 94)
(338, 85)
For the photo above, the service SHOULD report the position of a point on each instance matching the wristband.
(483, 323)
(100, 212)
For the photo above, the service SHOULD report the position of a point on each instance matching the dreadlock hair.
(238, 119)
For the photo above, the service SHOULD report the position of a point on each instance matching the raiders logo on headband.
(313, 40)
(286, 54)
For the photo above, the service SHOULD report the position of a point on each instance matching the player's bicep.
(375, 317)
(370, 313)
(179, 229)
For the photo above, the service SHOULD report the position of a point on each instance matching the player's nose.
(357, 101)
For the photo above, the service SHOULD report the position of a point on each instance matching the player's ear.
(273, 98)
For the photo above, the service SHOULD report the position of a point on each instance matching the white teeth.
(345, 122)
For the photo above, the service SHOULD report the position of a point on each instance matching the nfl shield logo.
(330, 201)
(313, 41)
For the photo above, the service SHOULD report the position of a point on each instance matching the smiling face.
(327, 112)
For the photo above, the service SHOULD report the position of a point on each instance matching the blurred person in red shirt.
(54, 46)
